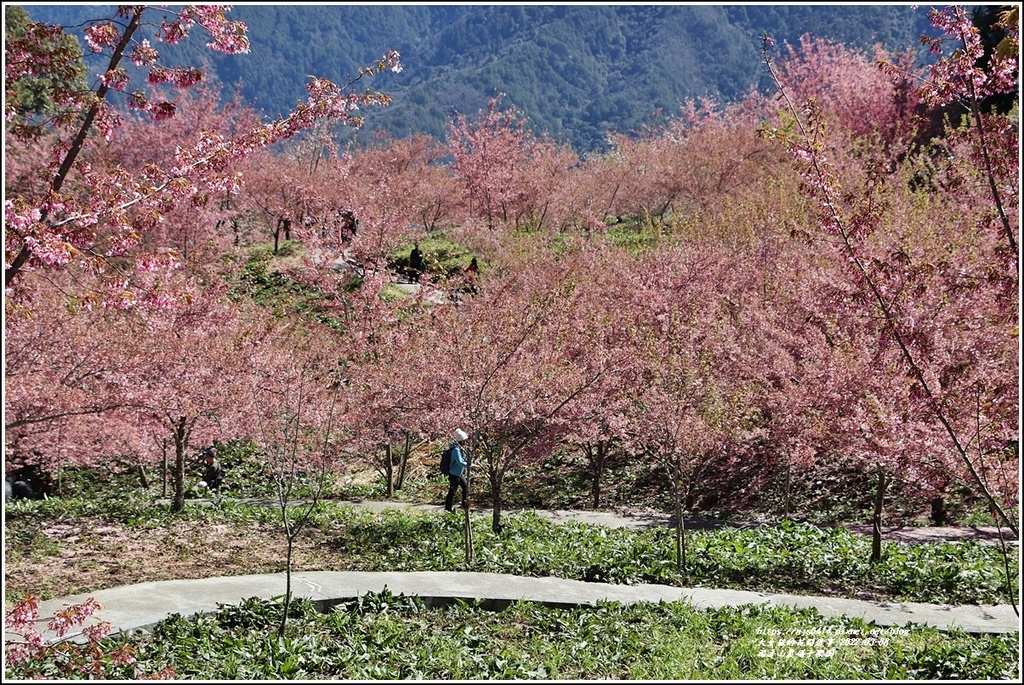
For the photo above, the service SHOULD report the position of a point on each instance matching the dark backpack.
(446, 461)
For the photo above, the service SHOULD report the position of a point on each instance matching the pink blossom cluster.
(144, 54)
(392, 61)
(19, 222)
(228, 36)
(117, 79)
(180, 77)
(22, 618)
(962, 75)
(17, 62)
(101, 36)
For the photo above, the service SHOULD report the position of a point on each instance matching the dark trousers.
(453, 483)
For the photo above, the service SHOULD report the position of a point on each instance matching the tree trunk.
(282, 224)
(876, 519)
(163, 450)
(495, 478)
(598, 455)
(680, 533)
(403, 463)
(467, 523)
(143, 480)
(180, 437)
(287, 586)
(468, 534)
(939, 515)
(786, 488)
(389, 471)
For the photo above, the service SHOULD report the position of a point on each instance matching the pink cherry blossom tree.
(495, 158)
(296, 409)
(604, 312)
(505, 365)
(966, 78)
(689, 409)
(188, 372)
(940, 309)
(848, 85)
(81, 220)
(392, 383)
(63, 381)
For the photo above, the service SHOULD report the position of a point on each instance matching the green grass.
(790, 557)
(383, 637)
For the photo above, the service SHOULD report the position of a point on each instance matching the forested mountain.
(576, 71)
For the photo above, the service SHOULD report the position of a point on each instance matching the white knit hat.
(460, 435)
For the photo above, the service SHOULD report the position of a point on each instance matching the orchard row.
(830, 272)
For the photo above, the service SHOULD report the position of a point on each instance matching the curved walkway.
(135, 607)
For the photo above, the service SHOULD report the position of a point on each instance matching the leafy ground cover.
(105, 532)
(59, 547)
(383, 637)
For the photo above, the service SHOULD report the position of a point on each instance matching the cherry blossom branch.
(84, 411)
(823, 185)
(79, 140)
(48, 240)
(989, 168)
(960, 78)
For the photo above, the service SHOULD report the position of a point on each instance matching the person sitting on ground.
(416, 264)
(213, 474)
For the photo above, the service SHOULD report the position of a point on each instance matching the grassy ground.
(384, 637)
(67, 546)
(112, 532)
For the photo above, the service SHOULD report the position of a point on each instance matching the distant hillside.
(577, 71)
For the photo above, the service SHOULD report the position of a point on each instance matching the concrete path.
(135, 607)
(140, 606)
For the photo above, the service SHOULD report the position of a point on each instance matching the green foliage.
(34, 95)
(442, 257)
(791, 557)
(381, 636)
(261, 281)
(138, 509)
(134, 507)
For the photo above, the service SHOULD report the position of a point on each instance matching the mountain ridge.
(575, 71)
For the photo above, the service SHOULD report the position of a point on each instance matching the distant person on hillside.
(457, 472)
(416, 264)
(21, 489)
(30, 482)
(213, 474)
(471, 273)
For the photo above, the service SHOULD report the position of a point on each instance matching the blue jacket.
(458, 466)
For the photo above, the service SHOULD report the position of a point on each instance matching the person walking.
(457, 472)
